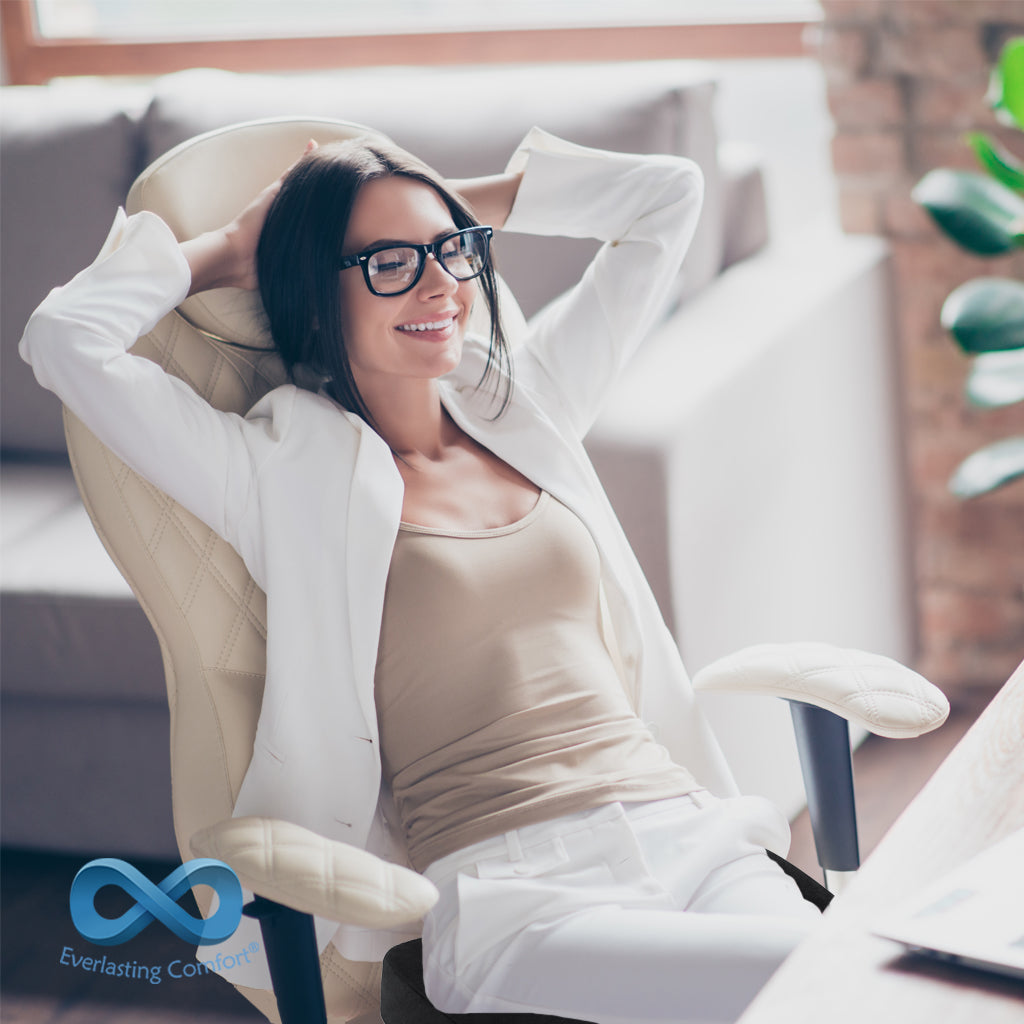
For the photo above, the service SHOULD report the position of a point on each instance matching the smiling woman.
(345, 206)
(471, 555)
(48, 38)
(414, 330)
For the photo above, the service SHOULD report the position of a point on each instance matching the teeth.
(437, 326)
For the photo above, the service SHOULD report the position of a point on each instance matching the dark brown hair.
(301, 246)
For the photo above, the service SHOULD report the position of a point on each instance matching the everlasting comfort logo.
(155, 901)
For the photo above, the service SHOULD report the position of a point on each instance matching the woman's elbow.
(688, 183)
(38, 333)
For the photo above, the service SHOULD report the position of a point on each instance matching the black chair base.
(404, 1001)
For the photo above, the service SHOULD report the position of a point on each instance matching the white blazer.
(310, 497)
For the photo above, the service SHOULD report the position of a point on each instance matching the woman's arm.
(645, 209)
(215, 262)
(78, 343)
(491, 197)
(226, 257)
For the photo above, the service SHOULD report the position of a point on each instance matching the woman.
(465, 666)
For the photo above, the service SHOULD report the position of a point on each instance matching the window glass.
(165, 19)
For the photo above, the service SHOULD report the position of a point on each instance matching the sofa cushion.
(84, 776)
(745, 225)
(72, 627)
(68, 154)
(31, 492)
(467, 121)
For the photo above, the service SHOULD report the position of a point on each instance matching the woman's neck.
(412, 420)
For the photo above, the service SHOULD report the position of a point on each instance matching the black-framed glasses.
(394, 269)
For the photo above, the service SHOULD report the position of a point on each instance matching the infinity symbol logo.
(155, 901)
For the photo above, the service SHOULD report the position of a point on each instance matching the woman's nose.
(436, 280)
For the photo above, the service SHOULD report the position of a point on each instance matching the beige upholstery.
(870, 690)
(208, 614)
(294, 866)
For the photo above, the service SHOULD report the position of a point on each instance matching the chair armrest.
(291, 865)
(876, 692)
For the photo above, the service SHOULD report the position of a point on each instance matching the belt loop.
(515, 848)
(701, 798)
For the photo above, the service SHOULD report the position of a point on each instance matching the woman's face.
(380, 332)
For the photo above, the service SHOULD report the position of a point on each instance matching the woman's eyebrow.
(405, 241)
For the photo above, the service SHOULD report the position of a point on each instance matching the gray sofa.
(751, 450)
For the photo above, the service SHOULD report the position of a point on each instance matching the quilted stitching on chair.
(880, 694)
(292, 865)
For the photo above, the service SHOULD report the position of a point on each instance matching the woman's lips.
(428, 325)
(440, 328)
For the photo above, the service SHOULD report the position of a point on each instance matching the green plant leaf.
(999, 162)
(996, 379)
(976, 212)
(1006, 84)
(986, 314)
(988, 468)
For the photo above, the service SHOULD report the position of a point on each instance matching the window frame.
(34, 60)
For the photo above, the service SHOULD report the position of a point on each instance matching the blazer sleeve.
(645, 210)
(78, 343)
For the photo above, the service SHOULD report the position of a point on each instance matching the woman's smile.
(439, 327)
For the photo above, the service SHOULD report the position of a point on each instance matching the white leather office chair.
(210, 618)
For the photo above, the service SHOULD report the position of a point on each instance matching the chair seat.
(403, 999)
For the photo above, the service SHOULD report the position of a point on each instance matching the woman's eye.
(392, 261)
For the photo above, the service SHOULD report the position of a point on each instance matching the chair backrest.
(209, 615)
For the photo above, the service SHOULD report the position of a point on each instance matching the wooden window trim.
(32, 60)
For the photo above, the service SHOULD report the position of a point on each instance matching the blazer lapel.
(375, 509)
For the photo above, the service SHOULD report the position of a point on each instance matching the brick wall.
(906, 79)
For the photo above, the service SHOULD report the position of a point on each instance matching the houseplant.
(984, 214)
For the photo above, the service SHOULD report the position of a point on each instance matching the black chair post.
(823, 742)
(290, 944)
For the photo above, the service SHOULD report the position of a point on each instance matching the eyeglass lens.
(393, 270)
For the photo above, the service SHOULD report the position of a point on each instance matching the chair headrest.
(205, 181)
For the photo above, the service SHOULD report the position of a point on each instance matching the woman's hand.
(226, 257)
(490, 198)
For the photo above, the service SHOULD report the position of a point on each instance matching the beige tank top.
(498, 702)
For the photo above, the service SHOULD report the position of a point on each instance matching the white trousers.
(662, 912)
